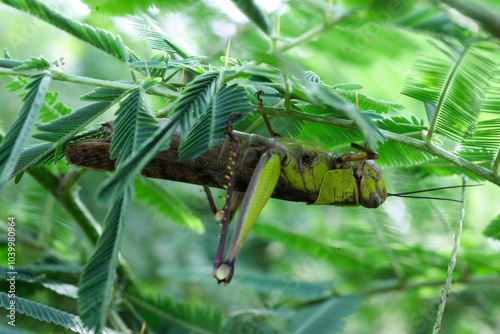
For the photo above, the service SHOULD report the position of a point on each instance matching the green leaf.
(493, 229)
(455, 85)
(98, 38)
(98, 278)
(194, 318)
(193, 101)
(133, 125)
(484, 144)
(168, 205)
(341, 256)
(210, 128)
(259, 282)
(154, 36)
(10, 148)
(44, 313)
(254, 13)
(348, 86)
(326, 317)
(103, 94)
(34, 64)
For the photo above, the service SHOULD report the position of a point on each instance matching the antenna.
(433, 189)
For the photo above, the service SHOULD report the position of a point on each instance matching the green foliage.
(98, 38)
(493, 230)
(98, 278)
(318, 318)
(455, 85)
(196, 318)
(330, 255)
(210, 128)
(14, 140)
(168, 205)
(133, 125)
(254, 13)
(46, 313)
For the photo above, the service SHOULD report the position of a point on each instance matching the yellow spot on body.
(232, 163)
(225, 187)
(227, 196)
(231, 173)
(227, 177)
(229, 167)
(226, 207)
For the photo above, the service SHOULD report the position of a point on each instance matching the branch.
(57, 74)
(408, 141)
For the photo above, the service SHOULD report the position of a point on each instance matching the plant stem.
(447, 287)
(444, 94)
(69, 200)
(402, 139)
(312, 33)
(57, 74)
(496, 165)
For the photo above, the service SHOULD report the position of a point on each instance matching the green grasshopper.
(283, 168)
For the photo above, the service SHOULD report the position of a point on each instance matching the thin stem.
(496, 165)
(444, 94)
(68, 200)
(447, 287)
(402, 139)
(311, 33)
(57, 74)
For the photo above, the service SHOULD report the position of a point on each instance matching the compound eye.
(374, 201)
(307, 158)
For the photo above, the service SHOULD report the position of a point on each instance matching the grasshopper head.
(306, 163)
(372, 189)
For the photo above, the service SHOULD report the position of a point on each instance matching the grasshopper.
(283, 168)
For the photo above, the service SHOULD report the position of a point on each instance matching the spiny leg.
(226, 209)
(266, 120)
(367, 155)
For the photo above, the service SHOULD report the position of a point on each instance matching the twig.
(57, 74)
(311, 33)
(402, 139)
(496, 165)
(447, 287)
(69, 200)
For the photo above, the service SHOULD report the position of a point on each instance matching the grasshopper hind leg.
(226, 213)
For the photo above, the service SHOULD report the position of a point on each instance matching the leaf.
(259, 282)
(133, 125)
(327, 317)
(34, 64)
(14, 140)
(98, 38)
(46, 313)
(103, 94)
(341, 255)
(254, 13)
(210, 128)
(455, 85)
(98, 278)
(484, 144)
(168, 205)
(60, 131)
(493, 229)
(61, 288)
(193, 101)
(154, 36)
(192, 317)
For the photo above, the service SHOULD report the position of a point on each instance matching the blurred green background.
(356, 250)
